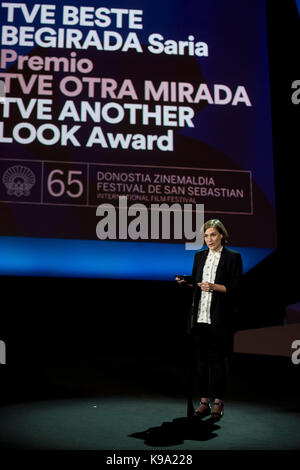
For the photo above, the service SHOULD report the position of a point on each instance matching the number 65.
(61, 184)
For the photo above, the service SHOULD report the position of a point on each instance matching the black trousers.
(210, 362)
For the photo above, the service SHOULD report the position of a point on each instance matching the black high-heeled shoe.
(217, 415)
(205, 412)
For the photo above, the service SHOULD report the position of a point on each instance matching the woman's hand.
(183, 281)
(209, 287)
(206, 286)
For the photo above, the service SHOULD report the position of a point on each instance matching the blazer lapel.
(201, 265)
(220, 268)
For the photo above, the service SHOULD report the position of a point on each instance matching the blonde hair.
(216, 223)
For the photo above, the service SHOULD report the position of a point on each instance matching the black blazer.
(223, 308)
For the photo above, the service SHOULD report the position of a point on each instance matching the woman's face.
(213, 239)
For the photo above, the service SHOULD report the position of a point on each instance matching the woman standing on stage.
(217, 271)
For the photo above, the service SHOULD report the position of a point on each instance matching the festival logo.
(18, 180)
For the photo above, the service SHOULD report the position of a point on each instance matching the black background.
(46, 319)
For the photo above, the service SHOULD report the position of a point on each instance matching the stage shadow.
(177, 431)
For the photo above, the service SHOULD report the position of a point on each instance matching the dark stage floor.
(138, 403)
